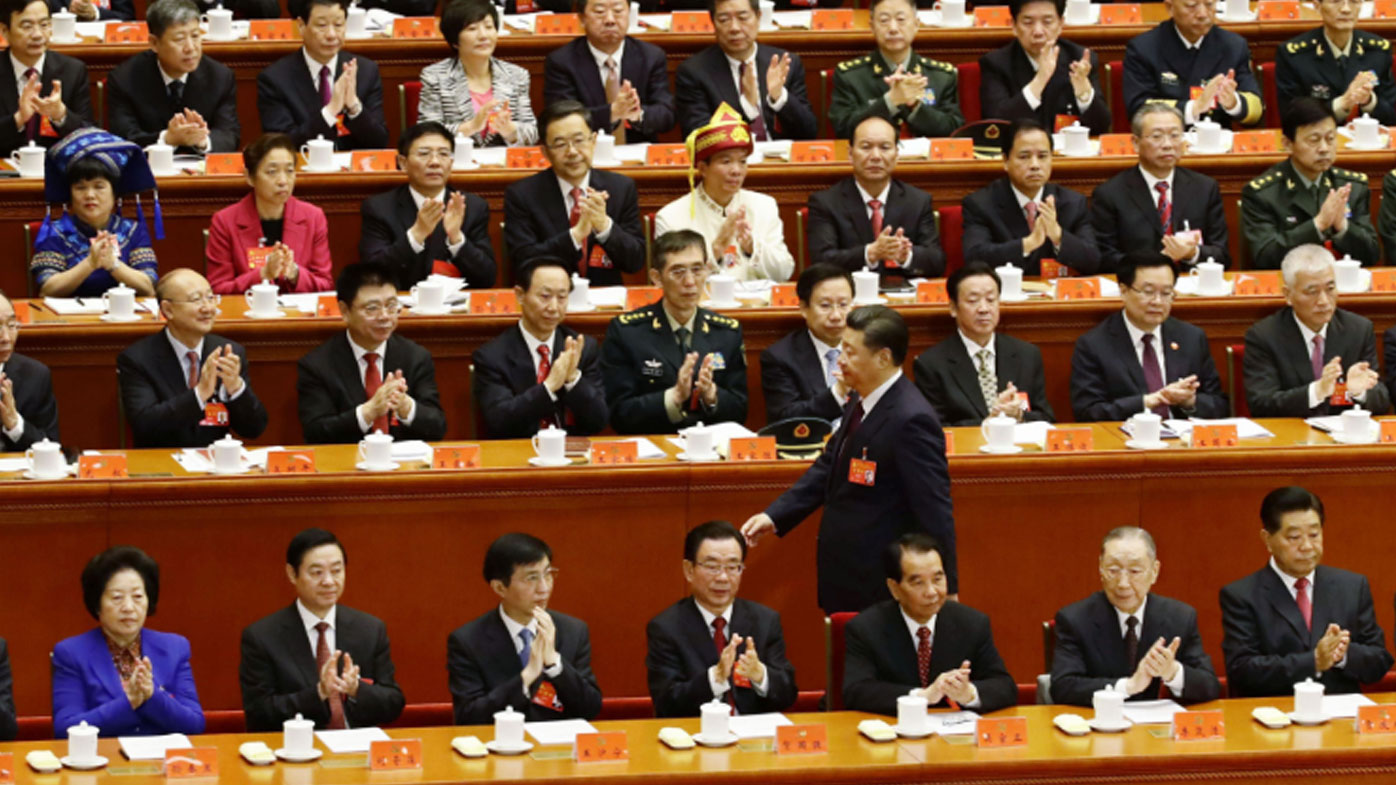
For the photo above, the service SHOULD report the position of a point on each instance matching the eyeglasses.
(1149, 293)
(1159, 136)
(578, 142)
(827, 307)
(546, 576)
(376, 309)
(698, 271)
(10, 326)
(1114, 573)
(427, 154)
(29, 27)
(199, 300)
(716, 568)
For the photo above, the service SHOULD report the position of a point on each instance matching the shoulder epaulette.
(941, 64)
(1348, 174)
(847, 64)
(1263, 181)
(719, 319)
(1298, 45)
(637, 316)
(1373, 40)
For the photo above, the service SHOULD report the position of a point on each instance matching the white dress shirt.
(20, 79)
(359, 352)
(972, 348)
(420, 199)
(720, 687)
(352, 105)
(184, 80)
(1314, 399)
(1175, 685)
(182, 355)
(769, 258)
(748, 108)
(912, 628)
(310, 620)
(619, 57)
(1136, 339)
(514, 628)
(1151, 183)
(1023, 200)
(18, 431)
(533, 344)
(876, 395)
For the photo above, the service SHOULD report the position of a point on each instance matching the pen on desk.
(79, 302)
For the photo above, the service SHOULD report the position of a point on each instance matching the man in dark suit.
(588, 217)
(52, 100)
(917, 643)
(9, 725)
(184, 386)
(1142, 359)
(976, 373)
(368, 379)
(714, 645)
(425, 227)
(521, 652)
(622, 81)
(1295, 619)
(172, 93)
(320, 92)
(764, 83)
(1023, 219)
(1312, 358)
(324, 661)
(1125, 638)
(672, 364)
(867, 507)
(1158, 205)
(1191, 63)
(28, 410)
(871, 221)
(799, 372)
(1041, 76)
(1388, 342)
(540, 373)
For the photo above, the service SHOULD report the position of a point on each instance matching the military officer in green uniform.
(1386, 227)
(1348, 69)
(672, 364)
(914, 92)
(1305, 199)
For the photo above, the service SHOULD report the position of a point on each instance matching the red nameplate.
(783, 296)
(272, 30)
(1214, 435)
(1078, 288)
(952, 149)
(102, 467)
(1384, 9)
(1002, 732)
(1255, 141)
(419, 27)
(7, 768)
(1384, 278)
(1376, 719)
(191, 762)
(1198, 725)
(525, 158)
(596, 747)
(327, 305)
(291, 462)
(691, 22)
(395, 754)
(257, 257)
(557, 24)
(611, 453)
(1070, 440)
(373, 161)
(811, 152)
(670, 155)
(22, 312)
(1258, 283)
(1121, 14)
(215, 414)
(862, 471)
(1117, 144)
(1051, 270)
(992, 16)
(831, 19)
(493, 301)
(126, 33)
(464, 457)
(760, 448)
(802, 739)
(224, 163)
(1277, 10)
(932, 292)
(640, 296)
(1388, 432)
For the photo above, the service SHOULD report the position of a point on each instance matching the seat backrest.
(1049, 643)
(31, 231)
(1236, 380)
(1270, 94)
(826, 101)
(967, 86)
(834, 650)
(100, 110)
(801, 240)
(409, 94)
(1115, 84)
(950, 224)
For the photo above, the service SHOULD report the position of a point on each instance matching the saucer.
(367, 467)
(77, 39)
(874, 301)
(500, 748)
(1135, 444)
(315, 170)
(588, 308)
(712, 456)
(1100, 727)
(219, 39)
(906, 734)
(1011, 450)
(1022, 297)
(107, 317)
(95, 762)
(716, 304)
(1248, 16)
(1300, 719)
(29, 474)
(1343, 438)
(465, 167)
(303, 756)
(721, 741)
(239, 470)
(539, 460)
(420, 311)
(254, 315)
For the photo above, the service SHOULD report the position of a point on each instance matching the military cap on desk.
(799, 438)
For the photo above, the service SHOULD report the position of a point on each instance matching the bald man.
(184, 386)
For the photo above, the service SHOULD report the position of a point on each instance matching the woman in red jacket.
(269, 235)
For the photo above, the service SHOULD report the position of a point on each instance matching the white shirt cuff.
(1033, 101)
(1121, 685)
(972, 703)
(1175, 685)
(671, 409)
(554, 670)
(454, 248)
(1314, 400)
(602, 237)
(765, 683)
(413, 244)
(411, 412)
(226, 398)
(15, 433)
(1188, 117)
(748, 108)
(325, 115)
(776, 106)
(364, 425)
(1240, 106)
(1081, 105)
(719, 687)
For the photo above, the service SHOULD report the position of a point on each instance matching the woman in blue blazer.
(121, 677)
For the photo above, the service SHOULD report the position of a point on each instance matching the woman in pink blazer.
(270, 236)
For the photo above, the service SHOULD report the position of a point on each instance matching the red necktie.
(325, 92)
(876, 207)
(372, 381)
(545, 367)
(1301, 598)
(1316, 358)
(1165, 207)
(31, 126)
(1031, 210)
(322, 656)
(572, 218)
(855, 418)
(1153, 377)
(720, 641)
(758, 123)
(923, 655)
(193, 369)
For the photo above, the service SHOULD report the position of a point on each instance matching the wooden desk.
(1028, 537)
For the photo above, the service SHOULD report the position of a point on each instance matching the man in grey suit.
(1312, 358)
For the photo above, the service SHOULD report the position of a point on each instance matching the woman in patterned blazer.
(474, 93)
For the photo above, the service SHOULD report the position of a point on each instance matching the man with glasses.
(712, 645)
(1189, 62)
(28, 410)
(185, 386)
(799, 373)
(45, 91)
(521, 653)
(1348, 68)
(588, 217)
(1159, 205)
(425, 226)
(369, 379)
(672, 364)
(1142, 359)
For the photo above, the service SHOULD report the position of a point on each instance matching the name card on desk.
(22, 313)
(961, 149)
(613, 453)
(1376, 719)
(490, 302)
(640, 296)
(421, 27)
(597, 747)
(831, 19)
(932, 293)
(126, 33)
(272, 30)
(327, 305)
(1384, 9)
(1078, 288)
(802, 739)
(1117, 144)
(1003, 731)
(463, 457)
(1265, 283)
(102, 467)
(373, 161)
(1255, 141)
(949, 442)
(1070, 440)
(191, 762)
(668, 155)
(759, 448)
(691, 22)
(557, 24)
(783, 296)
(291, 462)
(992, 16)
(1198, 725)
(1277, 10)
(1212, 436)
(1384, 278)
(1121, 14)
(811, 152)
(1388, 432)
(525, 158)
(395, 754)
(7, 768)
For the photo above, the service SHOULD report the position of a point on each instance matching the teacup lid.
(378, 436)
(83, 728)
(507, 713)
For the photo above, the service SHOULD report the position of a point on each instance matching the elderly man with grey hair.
(1312, 358)
(1159, 205)
(1126, 639)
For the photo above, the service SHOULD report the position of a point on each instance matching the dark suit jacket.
(71, 72)
(1107, 382)
(1004, 72)
(703, 81)
(880, 658)
(1157, 67)
(123, 10)
(512, 401)
(1124, 214)
(681, 652)
(330, 388)
(995, 227)
(9, 725)
(87, 687)
(141, 106)
(911, 492)
(33, 390)
(288, 100)
(1090, 652)
(570, 72)
(839, 227)
(1278, 369)
(535, 224)
(486, 673)
(792, 379)
(949, 378)
(1268, 649)
(388, 216)
(1388, 339)
(279, 677)
(164, 412)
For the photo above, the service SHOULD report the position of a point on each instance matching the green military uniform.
(860, 90)
(1277, 213)
(640, 360)
(1386, 225)
(1306, 65)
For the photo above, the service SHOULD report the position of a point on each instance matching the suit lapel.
(808, 363)
(901, 647)
(294, 637)
(498, 646)
(1013, 217)
(1324, 603)
(522, 372)
(721, 75)
(553, 210)
(170, 369)
(1138, 191)
(590, 82)
(700, 635)
(964, 369)
(1122, 347)
(1108, 636)
(1284, 605)
(405, 208)
(100, 663)
(295, 230)
(1296, 352)
(346, 369)
(852, 198)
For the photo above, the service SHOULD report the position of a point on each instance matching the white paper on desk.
(757, 726)
(918, 147)
(72, 306)
(953, 723)
(1164, 432)
(339, 742)
(90, 29)
(152, 747)
(632, 153)
(656, 21)
(800, 19)
(305, 303)
(557, 733)
(1330, 424)
(778, 149)
(379, 19)
(607, 297)
(645, 448)
(723, 432)
(521, 22)
(13, 464)
(1246, 428)
(489, 156)
(148, 304)
(1151, 712)
(1032, 433)
(1345, 705)
(411, 450)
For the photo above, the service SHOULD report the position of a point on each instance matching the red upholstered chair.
(1236, 380)
(1115, 84)
(950, 225)
(967, 86)
(833, 648)
(825, 101)
(801, 240)
(408, 95)
(1269, 93)
(1042, 692)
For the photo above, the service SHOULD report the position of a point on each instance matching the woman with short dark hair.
(473, 93)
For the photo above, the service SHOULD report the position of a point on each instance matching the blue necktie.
(831, 361)
(526, 635)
